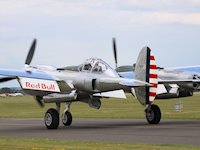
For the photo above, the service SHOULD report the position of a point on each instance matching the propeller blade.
(31, 53)
(115, 52)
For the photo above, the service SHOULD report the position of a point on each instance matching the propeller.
(115, 51)
(28, 62)
(123, 68)
(31, 53)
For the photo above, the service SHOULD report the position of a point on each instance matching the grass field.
(26, 107)
(46, 144)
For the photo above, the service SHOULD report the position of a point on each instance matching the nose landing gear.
(67, 116)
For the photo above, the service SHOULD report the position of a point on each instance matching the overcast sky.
(69, 31)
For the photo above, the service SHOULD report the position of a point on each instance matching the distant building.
(11, 91)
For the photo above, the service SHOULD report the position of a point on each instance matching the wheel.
(153, 115)
(67, 118)
(51, 119)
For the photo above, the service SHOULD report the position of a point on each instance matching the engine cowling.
(87, 84)
(181, 92)
(93, 102)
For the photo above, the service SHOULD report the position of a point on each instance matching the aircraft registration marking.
(39, 84)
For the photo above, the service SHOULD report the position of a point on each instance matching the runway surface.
(107, 130)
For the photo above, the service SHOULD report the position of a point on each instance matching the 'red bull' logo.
(38, 84)
(41, 86)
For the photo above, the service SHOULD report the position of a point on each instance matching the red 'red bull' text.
(40, 86)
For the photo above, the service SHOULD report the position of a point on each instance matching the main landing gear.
(51, 118)
(153, 114)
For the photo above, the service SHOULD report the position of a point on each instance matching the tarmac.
(107, 130)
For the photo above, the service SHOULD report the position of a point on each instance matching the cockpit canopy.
(93, 65)
(96, 65)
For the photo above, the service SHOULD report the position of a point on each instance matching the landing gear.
(51, 119)
(153, 114)
(67, 116)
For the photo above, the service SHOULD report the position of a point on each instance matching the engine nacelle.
(185, 93)
(167, 96)
(93, 102)
(181, 92)
(86, 84)
(98, 85)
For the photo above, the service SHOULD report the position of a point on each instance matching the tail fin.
(146, 70)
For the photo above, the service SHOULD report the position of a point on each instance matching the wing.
(189, 69)
(128, 74)
(36, 83)
(70, 68)
(14, 74)
(194, 81)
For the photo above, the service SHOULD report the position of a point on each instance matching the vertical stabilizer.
(146, 70)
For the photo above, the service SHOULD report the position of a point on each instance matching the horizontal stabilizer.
(114, 94)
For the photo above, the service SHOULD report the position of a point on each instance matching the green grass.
(43, 144)
(26, 107)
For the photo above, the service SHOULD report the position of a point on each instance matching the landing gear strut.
(153, 114)
(67, 116)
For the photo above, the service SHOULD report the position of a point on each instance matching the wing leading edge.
(197, 81)
(21, 73)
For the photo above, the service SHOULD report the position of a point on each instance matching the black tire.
(51, 119)
(153, 115)
(67, 118)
